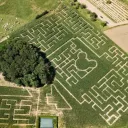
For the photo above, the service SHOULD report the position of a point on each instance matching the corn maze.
(89, 67)
(18, 107)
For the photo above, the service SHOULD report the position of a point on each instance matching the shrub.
(88, 11)
(93, 19)
(108, 2)
(93, 15)
(77, 6)
(75, 0)
(104, 24)
(72, 4)
(82, 6)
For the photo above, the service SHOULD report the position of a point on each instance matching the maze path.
(109, 97)
(18, 109)
(68, 67)
(47, 34)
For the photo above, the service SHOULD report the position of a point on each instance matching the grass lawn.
(1, 45)
(15, 91)
(16, 13)
(24, 9)
(48, 5)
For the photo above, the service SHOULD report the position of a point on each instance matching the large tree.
(24, 64)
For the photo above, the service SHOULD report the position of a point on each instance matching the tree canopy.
(24, 64)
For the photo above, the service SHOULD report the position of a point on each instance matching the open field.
(90, 87)
(16, 13)
(119, 35)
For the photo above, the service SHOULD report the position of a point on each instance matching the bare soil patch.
(6, 83)
(2, 3)
(119, 35)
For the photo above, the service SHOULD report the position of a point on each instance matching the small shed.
(46, 123)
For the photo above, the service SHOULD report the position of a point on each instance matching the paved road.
(101, 15)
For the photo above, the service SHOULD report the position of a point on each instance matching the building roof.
(46, 123)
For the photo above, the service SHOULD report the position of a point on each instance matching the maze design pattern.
(18, 110)
(66, 64)
(53, 33)
(109, 97)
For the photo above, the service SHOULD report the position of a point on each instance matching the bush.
(72, 4)
(93, 15)
(82, 6)
(77, 6)
(75, 0)
(104, 24)
(93, 19)
(88, 12)
(108, 2)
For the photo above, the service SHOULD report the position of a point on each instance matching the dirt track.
(119, 35)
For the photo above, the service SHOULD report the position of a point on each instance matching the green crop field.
(18, 107)
(91, 82)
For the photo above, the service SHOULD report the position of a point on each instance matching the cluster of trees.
(78, 5)
(93, 15)
(104, 23)
(24, 64)
(108, 1)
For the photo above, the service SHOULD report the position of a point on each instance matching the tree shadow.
(50, 69)
(52, 75)
(42, 54)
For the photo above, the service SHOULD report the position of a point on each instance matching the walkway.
(3, 39)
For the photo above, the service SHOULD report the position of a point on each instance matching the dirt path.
(119, 35)
(5, 83)
(2, 3)
(3, 39)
